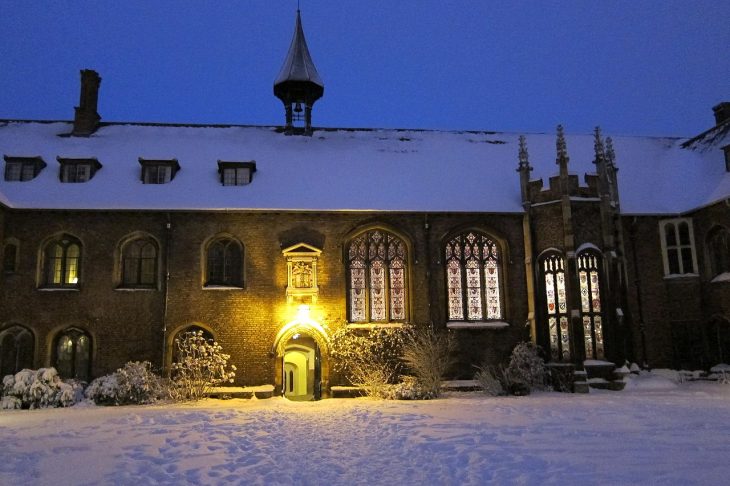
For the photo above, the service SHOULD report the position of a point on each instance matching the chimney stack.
(86, 120)
(722, 112)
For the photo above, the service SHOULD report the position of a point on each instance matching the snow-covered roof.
(384, 170)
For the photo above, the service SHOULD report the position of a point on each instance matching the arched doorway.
(301, 369)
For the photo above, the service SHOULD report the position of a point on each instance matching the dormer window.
(726, 150)
(158, 171)
(77, 170)
(21, 169)
(236, 173)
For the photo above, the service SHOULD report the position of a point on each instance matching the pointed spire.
(298, 84)
(610, 154)
(523, 155)
(561, 145)
(598, 147)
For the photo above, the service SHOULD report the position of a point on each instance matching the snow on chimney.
(86, 120)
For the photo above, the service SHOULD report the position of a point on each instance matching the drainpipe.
(168, 244)
(637, 284)
(427, 262)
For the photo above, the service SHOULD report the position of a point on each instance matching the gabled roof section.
(298, 65)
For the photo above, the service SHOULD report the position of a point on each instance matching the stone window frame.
(76, 333)
(16, 331)
(671, 227)
(124, 246)
(221, 284)
(408, 263)
(30, 167)
(718, 252)
(562, 349)
(45, 279)
(69, 171)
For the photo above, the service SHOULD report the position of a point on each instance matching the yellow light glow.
(303, 313)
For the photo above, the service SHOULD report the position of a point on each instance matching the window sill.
(723, 277)
(377, 325)
(477, 325)
(135, 289)
(59, 289)
(221, 287)
(681, 276)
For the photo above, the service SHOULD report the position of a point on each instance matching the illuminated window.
(158, 171)
(139, 264)
(556, 307)
(236, 173)
(678, 247)
(77, 170)
(718, 246)
(72, 356)
(224, 263)
(21, 169)
(16, 350)
(590, 298)
(62, 262)
(473, 278)
(377, 264)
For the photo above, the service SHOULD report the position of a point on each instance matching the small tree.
(200, 366)
(369, 359)
(526, 369)
(135, 383)
(428, 356)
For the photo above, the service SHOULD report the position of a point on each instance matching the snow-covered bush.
(41, 388)
(526, 368)
(135, 383)
(428, 355)
(409, 388)
(369, 359)
(490, 380)
(199, 366)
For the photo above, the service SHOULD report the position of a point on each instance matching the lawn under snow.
(655, 432)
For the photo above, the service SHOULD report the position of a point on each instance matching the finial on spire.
(560, 144)
(610, 154)
(598, 146)
(523, 155)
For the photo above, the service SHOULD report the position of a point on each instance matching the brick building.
(116, 237)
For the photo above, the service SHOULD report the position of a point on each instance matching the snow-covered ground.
(654, 432)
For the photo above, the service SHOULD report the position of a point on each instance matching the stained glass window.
(62, 260)
(377, 277)
(473, 278)
(590, 297)
(553, 269)
(139, 264)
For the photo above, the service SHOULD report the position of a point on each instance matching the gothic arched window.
(556, 307)
(718, 245)
(73, 354)
(62, 262)
(16, 350)
(377, 267)
(590, 299)
(139, 264)
(474, 278)
(224, 263)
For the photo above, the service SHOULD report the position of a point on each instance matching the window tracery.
(62, 262)
(553, 269)
(590, 296)
(224, 263)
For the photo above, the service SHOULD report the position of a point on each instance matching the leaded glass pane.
(560, 280)
(687, 266)
(81, 358)
(670, 232)
(64, 356)
(494, 305)
(357, 291)
(453, 283)
(72, 264)
(474, 290)
(56, 264)
(595, 292)
(550, 293)
(585, 300)
(564, 338)
(588, 335)
(554, 346)
(598, 328)
(683, 233)
(28, 172)
(13, 171)
(397, 290)
(377, 291)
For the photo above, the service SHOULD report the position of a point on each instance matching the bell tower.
(298, 84)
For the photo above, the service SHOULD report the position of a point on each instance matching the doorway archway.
(302, 370)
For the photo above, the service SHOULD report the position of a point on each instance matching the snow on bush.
(200, 365)
(409, 388)
(428, 356)
(490, 380)
(526, 367)
(135, 383)
(369, 359)
(41, 388)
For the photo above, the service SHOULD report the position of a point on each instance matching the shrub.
(409, 388)
(200, 366)
(428, 356)
(490, 380)
(369, 359)
(39, 389)
(526, 368)
(135, 383)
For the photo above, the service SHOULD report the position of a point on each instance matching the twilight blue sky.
(632, 66)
